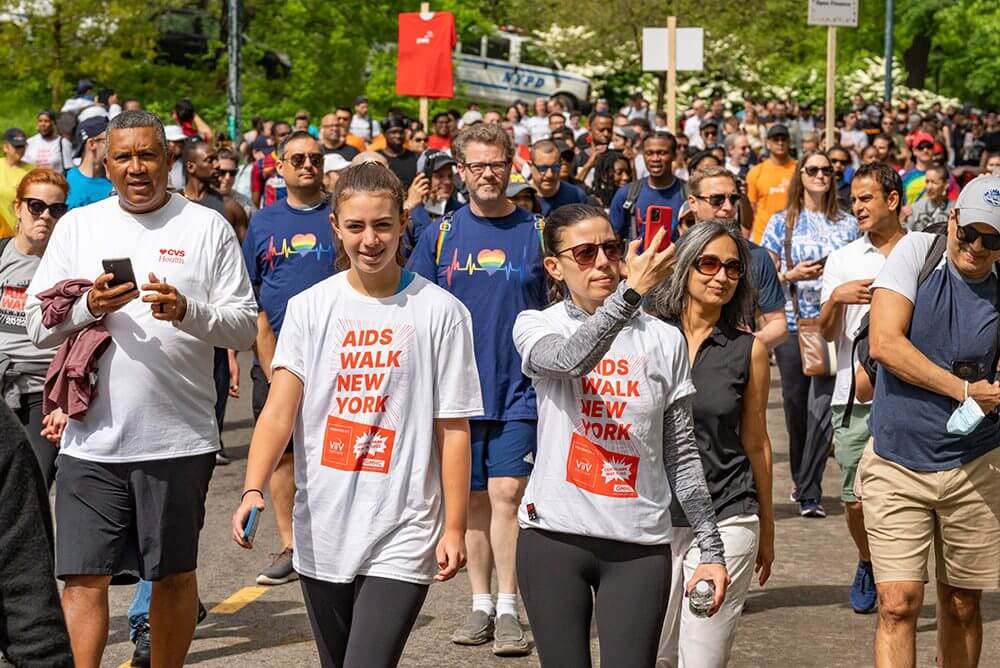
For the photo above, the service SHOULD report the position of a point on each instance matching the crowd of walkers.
(536, 346)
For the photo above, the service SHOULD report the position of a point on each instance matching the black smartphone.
(822, 261)
(122, 269)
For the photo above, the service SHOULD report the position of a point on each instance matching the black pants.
(30, 415)
(364, 623)
(220, 373)
(561, 575)
(807, 419)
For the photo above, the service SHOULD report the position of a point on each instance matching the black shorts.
(130, 520)
(260, 391)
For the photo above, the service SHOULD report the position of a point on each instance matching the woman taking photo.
(710, 298)
(39, 202)
(802, 236)
(615, 436)
(375, 371)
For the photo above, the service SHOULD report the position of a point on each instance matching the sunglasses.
(719, 200)
(418, 138)
(925, 146)
(814, 170)
(37, 207)
(586, 254)
(548, 168)
(709, 265)
(228, 172)
(969, 234)
(299, 159)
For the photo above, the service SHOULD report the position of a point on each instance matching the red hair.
(41, 175)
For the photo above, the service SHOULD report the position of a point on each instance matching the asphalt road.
(801, 618)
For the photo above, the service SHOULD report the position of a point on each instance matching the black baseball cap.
(777, 130)
(566, 151)
(709, 123)
(88, 129)
(15, 137)
(359, 99)
(437, 158)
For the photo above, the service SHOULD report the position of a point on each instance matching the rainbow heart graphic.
(491, 259)
(303, 242)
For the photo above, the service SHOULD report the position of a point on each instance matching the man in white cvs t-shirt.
(134, 470)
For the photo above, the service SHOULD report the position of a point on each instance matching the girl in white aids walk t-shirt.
(615, 435)
(375, 371)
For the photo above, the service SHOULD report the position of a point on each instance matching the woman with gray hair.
(710, 299)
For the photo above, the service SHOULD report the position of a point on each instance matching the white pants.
(688, 641)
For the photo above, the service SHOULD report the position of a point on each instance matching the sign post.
(672, 50)
(832, 13)
(233, 74)
(425, 9)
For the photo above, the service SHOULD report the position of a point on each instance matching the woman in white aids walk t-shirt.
(375, 371)
(615, 435)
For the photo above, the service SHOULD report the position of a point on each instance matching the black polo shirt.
(720, 373)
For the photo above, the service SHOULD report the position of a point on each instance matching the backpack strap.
(540, 229)
(443, 228)
(628, 206)
(4, 243)
(931, 263)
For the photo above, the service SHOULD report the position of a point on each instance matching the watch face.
(632, 297)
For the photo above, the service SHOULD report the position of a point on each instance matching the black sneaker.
(140, 655)
(202, 612)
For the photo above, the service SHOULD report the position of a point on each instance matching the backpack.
(860, 350)
(445, 226)
(632, 197)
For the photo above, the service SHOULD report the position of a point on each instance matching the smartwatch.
(631, 297)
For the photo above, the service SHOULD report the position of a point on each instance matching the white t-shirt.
(155, 396)
(42, 152)
(376, 373)
(599, 467)
(538, 126)
(901, 273)
(855, 261)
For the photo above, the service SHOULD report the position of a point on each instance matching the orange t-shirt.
(767, 190)
(355, 141)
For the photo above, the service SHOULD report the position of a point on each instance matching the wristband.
(251, 490)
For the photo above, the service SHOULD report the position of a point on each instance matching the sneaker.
(202, 612)
(863, 595)
(140, 655)
(280, 571)
(221, 458)
(509, 637)
(811, 509)
(793, 495)
(477, 630)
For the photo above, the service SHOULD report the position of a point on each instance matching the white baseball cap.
(979, 202)
(174, 133)
(334, 162)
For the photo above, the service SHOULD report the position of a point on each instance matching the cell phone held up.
(657, 218)
(122, 270)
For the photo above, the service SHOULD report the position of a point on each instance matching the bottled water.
(700, 598)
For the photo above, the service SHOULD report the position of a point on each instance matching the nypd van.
(504, 66)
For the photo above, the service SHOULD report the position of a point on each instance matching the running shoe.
(280, 571)
(793, 495)
(221, 458)
(202, 612)
(477, 630)
(509, 639)
(140, 655)
(811, 509)
(863, 595)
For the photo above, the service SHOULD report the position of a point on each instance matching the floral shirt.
(813, 238)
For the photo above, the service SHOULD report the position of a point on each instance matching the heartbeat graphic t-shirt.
(287, 250)
(375, 374)
(494, 267)
(424, 55)
(599, 467)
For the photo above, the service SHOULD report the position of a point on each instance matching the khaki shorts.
(958, 510)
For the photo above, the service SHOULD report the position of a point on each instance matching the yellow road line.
(239, 600)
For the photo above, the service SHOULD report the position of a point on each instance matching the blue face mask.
(965, 418)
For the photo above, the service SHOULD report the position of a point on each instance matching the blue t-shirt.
(672, 196)
(770, 296)
(494, 267)
(953, 320)
(84, 190)
(287, 250)
(420, 218)
(567, 194)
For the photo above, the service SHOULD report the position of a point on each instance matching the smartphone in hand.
(658, 217)
(250, 528)
(122, 270)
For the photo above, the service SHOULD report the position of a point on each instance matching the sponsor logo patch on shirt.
(172, 255)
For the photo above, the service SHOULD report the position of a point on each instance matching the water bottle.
(700, 598)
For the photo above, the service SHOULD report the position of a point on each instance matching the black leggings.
(364, 623)
(560, 575)
(30, 416)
